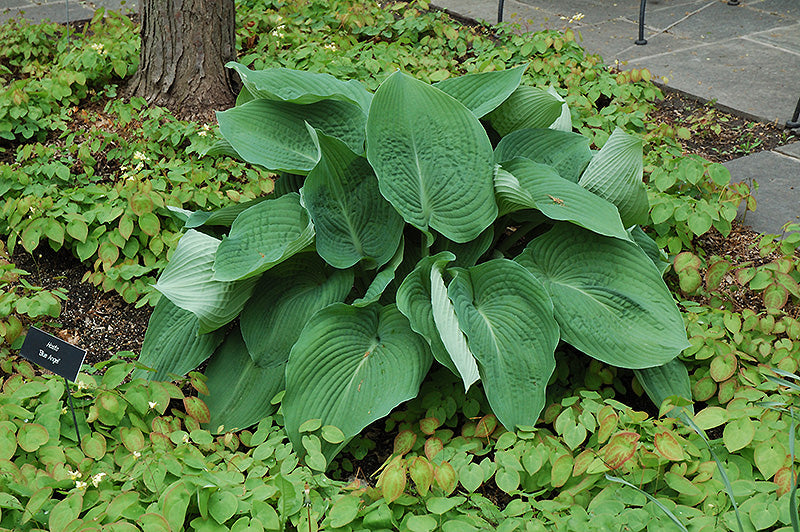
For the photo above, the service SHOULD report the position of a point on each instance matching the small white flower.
(73, 475)
(152, 404)
(81, 485)
(99, 48)
(82, 385)
(331, 46)
(139, 156)
(185, 438)
(202, 133)
(136, 454)
(96, 479)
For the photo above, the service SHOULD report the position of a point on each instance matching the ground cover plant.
(442, 460)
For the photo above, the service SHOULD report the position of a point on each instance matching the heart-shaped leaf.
(262, 236)
(352, 366)
(527, 108)
(432, 157)
(610, 300)
(615, 173)
(508, 318)
(353, 222)
(284, 299)
(483, 92)
(190, 272)
(568, 153)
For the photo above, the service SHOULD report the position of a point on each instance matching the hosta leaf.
(352, 366)
(610, 301)
(223, 217)
(567, 153)
(221, 147)
(273, 134)
(453, 339)
(527, 107)
(468, 253)
(508, 318)
(382, 279)
(172, 343)
(432, 157)
(650, 248)
(262, 236)
(564, 120)
(524, 184)
(240, 391)
(483, 92)
(188, 281)
(353, 222)
(660, 382)
(284, 299)
(300, 86)
(414, 301)
(615, 173)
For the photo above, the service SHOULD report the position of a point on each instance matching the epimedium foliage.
(462, 222)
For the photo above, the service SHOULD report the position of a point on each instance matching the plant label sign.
(52, 353)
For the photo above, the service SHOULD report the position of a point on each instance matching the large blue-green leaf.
(414, 300)
(189, 282)
(221, 217)
(564, 121)
(568, 153)
(300, 86)
(284, 299)
(352, 366)
(240, 391)
(508, 318)
(664, 381)
(615, 173)
(527, 107)
(432, 157)
(610, 300)
(353, 222)
(262, 236)
(273, 134)
(172, 344)
(483, 92)
(524, 184)
(468, 253)
(650, 248)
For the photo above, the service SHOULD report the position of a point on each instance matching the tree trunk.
(185, 45)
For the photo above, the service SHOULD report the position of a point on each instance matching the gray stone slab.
(786, 38)
(718, 21)
(755, 80)
(778, 7)
(778, 195)
(792, 150)
(4, 4)
(615, 40)
(55, 12)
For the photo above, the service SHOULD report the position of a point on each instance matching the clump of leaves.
(398, 235)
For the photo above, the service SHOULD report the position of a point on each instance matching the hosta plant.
(462, 223)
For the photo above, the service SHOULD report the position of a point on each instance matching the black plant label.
(52, 353)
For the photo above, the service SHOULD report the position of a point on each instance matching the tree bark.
(185, 45)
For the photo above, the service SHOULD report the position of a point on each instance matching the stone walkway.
(746, 58)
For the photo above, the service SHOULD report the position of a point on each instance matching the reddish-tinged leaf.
(607, 426)
(421, 472)
(667, 445)
(582, 462)
(775, 296)
(620, 449)
(446, 477)
(196, 408)
(160, 441)
(432, 447)
(429, 425)
(393, 480)
(562, 470)
(723, 367)
(403, 442)
(783, 478)
(716, 272)
(132, 438)
(486, 426)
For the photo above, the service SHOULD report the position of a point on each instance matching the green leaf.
(650, 248)
(527, 108)
(432, 157)
(172, 344)
(344, 511)
(610, 300)
(190, 272)
(222, 505)
(660, 382)
(564, 120)
(262, 236)
(468, 253)
(414, 300)
(738, 434)
(284, 299)
(382, 279)
(483, 92)
(78, 229)
(615, 173)
(507, 317)
(65, 511)
(300, 86)
(174, 502)
(567, 153)
(240, 391)
(223, 217)
(352, 366)
(273, 134)
(524, 184)
(353, 222)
